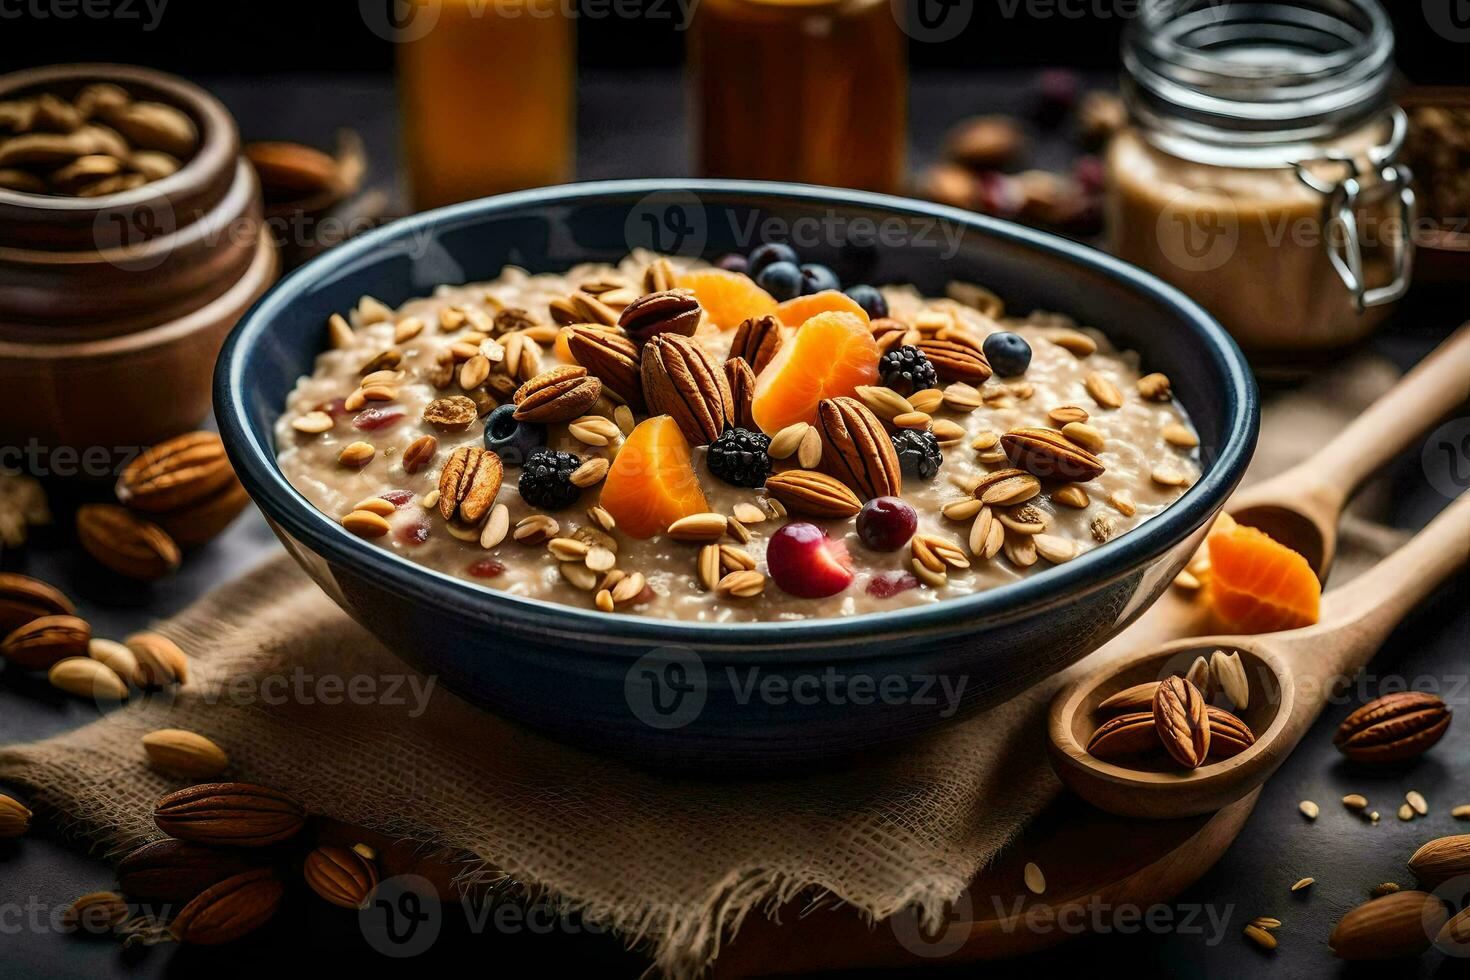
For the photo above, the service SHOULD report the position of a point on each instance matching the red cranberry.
(889, 584)
(416, 532)
(486, 568)
(806, 563)
(886, 523)
(1089, 172)
(373, 419)
(397, 497)
(336, 408)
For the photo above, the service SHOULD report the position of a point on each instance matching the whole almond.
(176, 473)
(1182, 722)
(160, 661)
(1128, 734)
(84, 677)
(44, 641)
(1393, 728)
(126, 543)
(1392, 927)
(184, 753)
(1441, 859)
(229, 815)
(95, 913)
(174, 871)
(23, 599)
(230, 910)
(15, 818)
(341, 876)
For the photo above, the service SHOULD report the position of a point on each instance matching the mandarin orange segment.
(727, 297)
(795, 312)
(831, 354)
(1257, 585)
(652, 482)
(562, 350)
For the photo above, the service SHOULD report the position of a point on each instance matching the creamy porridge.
(913, 450)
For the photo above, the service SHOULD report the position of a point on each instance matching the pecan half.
(673, 311)
(229, 815)
(1228, 734)
(757, 339)
(126, 543)
(856, 448)
(558, 395)
(813, 494)
(742, 392)
(468, 485)
(452, 414)
(42, 642)
(611, 357)
(340, 875)
(229, 910)
(23, 599)
(1125, 735)
(1393, 728)
(1181, 721)
(175, 473)
(681, 380)
(1050, 455)
(174, 871)
(956, 359)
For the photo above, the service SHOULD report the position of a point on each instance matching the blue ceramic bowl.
(701, 695)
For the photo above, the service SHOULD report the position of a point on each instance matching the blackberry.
(918, 453)
(546, 479)
(907, 369)
(739, 457)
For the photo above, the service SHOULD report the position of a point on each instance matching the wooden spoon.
(1300, 507)
(1291, 675)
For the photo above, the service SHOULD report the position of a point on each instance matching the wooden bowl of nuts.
(130, 240)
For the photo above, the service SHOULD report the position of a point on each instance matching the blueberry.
(815, 278)
(781, 279)
(1009, 355)
(764, 255)
(732, 262)
(869, 299)
(511, 439)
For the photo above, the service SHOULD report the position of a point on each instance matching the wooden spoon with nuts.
(1289, 674)
(1301, 506)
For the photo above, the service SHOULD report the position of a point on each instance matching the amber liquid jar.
(487, 98)
(1260, 170)
(814, 91)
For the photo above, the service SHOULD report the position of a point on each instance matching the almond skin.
(44, 641)
(229, 815)
(126, 543)
(1182, 722)
(23, 599)
(230, 910)
(340, 875)
(813, 494)
(174, 871)
(1392, 927)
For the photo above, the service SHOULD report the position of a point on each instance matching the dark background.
(265, 36)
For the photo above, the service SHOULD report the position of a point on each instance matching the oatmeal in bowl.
(747, 441)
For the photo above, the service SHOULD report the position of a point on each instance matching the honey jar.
(1259, 172)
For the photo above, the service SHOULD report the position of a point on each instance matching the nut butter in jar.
(1259, 171)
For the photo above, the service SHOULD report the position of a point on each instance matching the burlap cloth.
(674, 864)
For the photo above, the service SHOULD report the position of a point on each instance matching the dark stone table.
(632, 126)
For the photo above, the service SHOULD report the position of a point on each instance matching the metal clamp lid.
(1340, 212)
